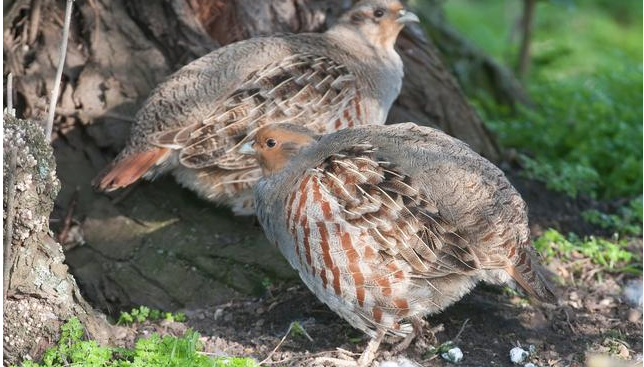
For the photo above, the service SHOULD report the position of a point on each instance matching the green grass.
(628, 220)
(585, 133)
(143, 313)
(166, 351)
(609, 255)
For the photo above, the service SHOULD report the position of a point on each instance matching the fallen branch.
(11, 213)
(59, 71)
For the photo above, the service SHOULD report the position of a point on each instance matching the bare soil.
(591, 317)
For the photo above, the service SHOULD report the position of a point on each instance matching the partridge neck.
(360, 44)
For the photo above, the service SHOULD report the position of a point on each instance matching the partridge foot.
(420, 333)
(370, 352)
(417, 325)
(365, 360)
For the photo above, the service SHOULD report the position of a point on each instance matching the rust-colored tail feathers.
(531, 280)
(127, 170)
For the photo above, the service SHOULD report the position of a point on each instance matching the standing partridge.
(387, 224)
(193, 123)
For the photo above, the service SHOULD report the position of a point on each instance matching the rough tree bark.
(40, 293)
(157, 244)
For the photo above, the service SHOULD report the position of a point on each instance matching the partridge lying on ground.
(387, 224)
(192, 124)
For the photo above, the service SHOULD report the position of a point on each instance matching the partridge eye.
(378, 13)
(271, 143)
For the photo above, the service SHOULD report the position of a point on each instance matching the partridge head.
(388, 224)
(275, 145)
(193, 124)
(378, 22)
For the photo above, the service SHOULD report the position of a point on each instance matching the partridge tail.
(531, 280)
(127, 170)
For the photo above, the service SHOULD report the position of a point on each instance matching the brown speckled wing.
(306, 89)
(389, 207)
(365, 233)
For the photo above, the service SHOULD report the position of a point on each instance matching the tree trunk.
(39, 292)
(157, 244)
(480, 75)
(523, 63)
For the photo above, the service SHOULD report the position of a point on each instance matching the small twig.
(10, 109)
(296, 358)
(458, 335)
(336, 362)
(11, 213)
(574, 331)
(59, 71)
(288, 331)
(67, 224)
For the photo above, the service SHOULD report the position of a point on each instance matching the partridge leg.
(366, 358)
(370, 352)
(417, 324)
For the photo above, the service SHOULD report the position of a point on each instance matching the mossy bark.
(41, 294)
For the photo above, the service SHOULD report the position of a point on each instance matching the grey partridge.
(387, 224)
(192, 124)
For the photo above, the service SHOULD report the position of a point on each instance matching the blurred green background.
(584, 131)
(581, 131)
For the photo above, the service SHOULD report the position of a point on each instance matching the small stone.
(518, 355)
(400, 362)
(623, 352)
(218, 314)
(634, 315)
(532, 349)
(633, 293)
(453, 355)
(529, 365)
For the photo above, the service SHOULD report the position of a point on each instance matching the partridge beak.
(405, 16)
(247, 148)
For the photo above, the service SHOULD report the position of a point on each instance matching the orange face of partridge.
(381, 21)
(274, 145)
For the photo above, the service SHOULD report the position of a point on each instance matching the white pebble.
(633, 293)
(453, 355)
(518, 355)
(529, 365)
(400, 362)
